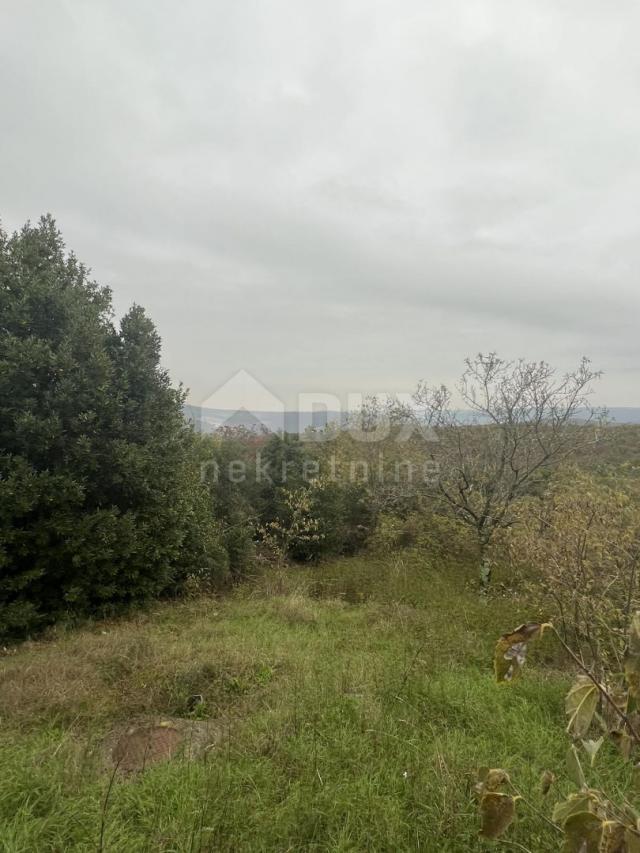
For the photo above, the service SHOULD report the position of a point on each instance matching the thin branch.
(534, 809)
(603, 692)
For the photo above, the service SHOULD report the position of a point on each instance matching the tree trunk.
(485, 567)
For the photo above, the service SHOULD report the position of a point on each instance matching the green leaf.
(497, 811)
(583, 832)
(585, 801)
(580, 705)
(592, 747)
(574, 768)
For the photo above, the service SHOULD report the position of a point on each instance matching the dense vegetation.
(100, 503)
(331, 632)
(108, 498)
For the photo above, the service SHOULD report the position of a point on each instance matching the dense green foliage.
(107, 496)
(273, 491)
(100, 502)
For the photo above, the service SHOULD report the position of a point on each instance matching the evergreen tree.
(100, 501)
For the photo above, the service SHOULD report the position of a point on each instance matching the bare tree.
(515, 420)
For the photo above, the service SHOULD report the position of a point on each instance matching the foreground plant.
(589, 820)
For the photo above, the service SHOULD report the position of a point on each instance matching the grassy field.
(352, 704)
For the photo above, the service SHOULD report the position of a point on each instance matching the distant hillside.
(625, 415)
(209, 420)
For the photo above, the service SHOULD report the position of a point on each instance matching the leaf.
(620, 697)
(632, 839)
(583, 832)
(630, 814)
(592, 747)
(621, 737)
(574, 768)
(478, 787)
(489, 780)
(497, 811)
(546, 781)
(511, 650)
(613, 838)
(623, 741)
(585, 801)
(495, 779)
(632, 657)
(580, 705)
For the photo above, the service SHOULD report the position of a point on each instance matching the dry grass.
(276, 582)
(296, 609)
(126, 668)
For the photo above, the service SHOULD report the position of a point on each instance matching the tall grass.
(353, 702)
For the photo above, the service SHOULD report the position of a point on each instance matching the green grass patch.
(355, 701)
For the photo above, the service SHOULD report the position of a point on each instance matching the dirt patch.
(143, 743)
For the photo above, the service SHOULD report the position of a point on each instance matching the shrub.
(581, 538)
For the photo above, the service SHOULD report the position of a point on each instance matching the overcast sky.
(340, 195)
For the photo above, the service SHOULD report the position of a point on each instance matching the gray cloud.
(346, 196)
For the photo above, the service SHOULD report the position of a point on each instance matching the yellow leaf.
(546, 781)
(613, 838)
(511, 650)
(632, 839)
(624, 742)
(583, 832)
(495, 779)
(490, 780)
(497, 811)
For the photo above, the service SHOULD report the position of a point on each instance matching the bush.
(581, 540)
